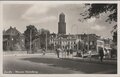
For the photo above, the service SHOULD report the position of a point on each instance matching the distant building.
(76, 42)
(107, 43)
(13, 40)
(63, 41)
(90, 40)
(104, 43)
(62, 24)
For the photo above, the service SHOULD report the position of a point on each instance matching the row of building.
(14, 40)
(79, 41)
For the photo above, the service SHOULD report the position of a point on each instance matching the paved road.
(49, 64)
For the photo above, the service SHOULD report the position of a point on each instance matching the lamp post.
(88, 41)
(30, 40)
(76, 33)
(12, 44)
(46, 41)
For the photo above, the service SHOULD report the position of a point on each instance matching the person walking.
(101, 54)
(71, 52)
(43, 51)
(68, 52)
(90, 54)
(62, 51)
(58, 52)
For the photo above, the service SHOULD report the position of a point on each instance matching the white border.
(59, 2)
(1, 28)
(57, 75)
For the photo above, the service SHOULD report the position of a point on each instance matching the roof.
(11, 31)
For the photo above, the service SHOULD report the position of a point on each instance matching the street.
(50, 64)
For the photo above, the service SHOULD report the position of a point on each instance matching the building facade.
(90, 40)
(64, 41)
(13, 40)
(76, 42)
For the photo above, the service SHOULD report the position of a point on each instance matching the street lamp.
(12, 43)
(88, 41)
(76, 33)
(30, 40)
(46, 41)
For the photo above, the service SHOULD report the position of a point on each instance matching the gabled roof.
(11, 31)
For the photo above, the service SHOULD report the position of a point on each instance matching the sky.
(46, 15)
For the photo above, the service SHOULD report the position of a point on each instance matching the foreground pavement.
(50, 64)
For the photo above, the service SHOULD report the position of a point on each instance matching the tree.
(31, 31)
(114, 32)
(43, 35)
(96, 9)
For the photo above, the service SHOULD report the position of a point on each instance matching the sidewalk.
(36, 54)
(70, 57)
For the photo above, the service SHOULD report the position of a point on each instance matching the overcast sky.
(46, 15)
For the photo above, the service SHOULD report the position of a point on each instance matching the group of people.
(58, 51)
(101, 53)
(70, 51)
(66, 51)
(105, 53)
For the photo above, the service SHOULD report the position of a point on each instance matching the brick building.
(13, 40)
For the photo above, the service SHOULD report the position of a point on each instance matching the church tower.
(62, 24)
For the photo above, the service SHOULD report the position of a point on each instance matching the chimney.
(14, 27)
(10, 27)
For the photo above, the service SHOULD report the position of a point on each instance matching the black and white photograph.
(58, 37)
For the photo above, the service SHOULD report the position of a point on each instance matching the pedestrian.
(58, 52)
(68, 52)
(101, 54)
(43, 51)
(62, 51)
(65, 51)
(105, 53)
(108, 53)
(90, 54)
(71, 51)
